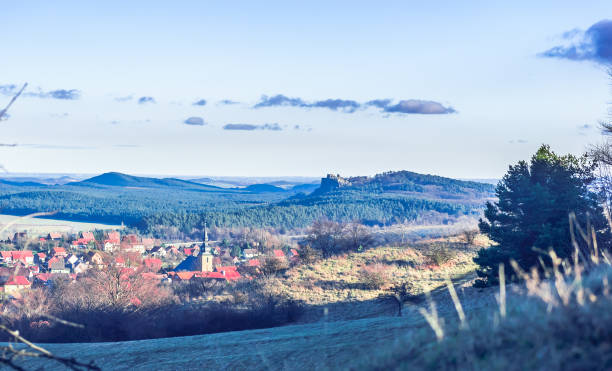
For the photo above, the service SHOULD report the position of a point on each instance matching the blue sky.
(356, 88)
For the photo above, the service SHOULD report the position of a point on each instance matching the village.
(27, 263)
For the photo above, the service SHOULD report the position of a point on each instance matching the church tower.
(205, 258)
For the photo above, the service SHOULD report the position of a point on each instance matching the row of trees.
(331, 238)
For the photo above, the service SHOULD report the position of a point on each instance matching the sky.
(459, 89)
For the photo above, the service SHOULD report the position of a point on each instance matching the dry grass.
(341, 278)
(560, 319)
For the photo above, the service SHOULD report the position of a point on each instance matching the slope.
(320, 345)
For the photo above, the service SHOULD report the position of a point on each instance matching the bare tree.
(470, 235)
(326, 236)
(601, 154)
(10, 354)
(403, 293)
(356, 236)
(3, 112)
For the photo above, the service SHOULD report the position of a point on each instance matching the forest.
(148, 203)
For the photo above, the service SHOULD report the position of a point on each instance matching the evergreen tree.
(236, 251)
(532, 212)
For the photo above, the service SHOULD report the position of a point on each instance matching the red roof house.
(114, 237)
(54, 236)
(58, 251)
(7, 256)
(88, 236)
(120, 261)
(18, 281)
(16, 284)
(253, 263)
(24, 256)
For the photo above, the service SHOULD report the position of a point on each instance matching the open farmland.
(41, 226)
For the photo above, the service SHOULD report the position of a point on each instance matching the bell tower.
(205, 258)
(205, 261)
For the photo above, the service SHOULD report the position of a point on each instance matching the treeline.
(415, 182)
(291, 214)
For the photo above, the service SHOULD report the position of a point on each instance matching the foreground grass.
(566, 330)
(557, 324)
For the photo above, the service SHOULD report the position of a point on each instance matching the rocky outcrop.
(332, 182)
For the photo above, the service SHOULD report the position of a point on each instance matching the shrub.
(439, 254)
(374, 276)
(271, 266)
(469, 235)
(405, 292)
(308, 255)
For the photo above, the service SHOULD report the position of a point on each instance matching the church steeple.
(205, 258)
(205, 238)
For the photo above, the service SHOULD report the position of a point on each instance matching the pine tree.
(531, 215)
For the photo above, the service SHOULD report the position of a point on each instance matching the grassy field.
(41, 226)
(325, 344)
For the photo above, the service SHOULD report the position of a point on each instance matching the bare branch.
(3, 112)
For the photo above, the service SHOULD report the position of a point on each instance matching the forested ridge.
(147, 203)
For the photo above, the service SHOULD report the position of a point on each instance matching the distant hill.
(258, 188)
(21, 184)
(305, 188)
(123, 180)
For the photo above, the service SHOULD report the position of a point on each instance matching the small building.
(158, 252)
(110, 245)
(72, 259)
(24, 256)
(57, 265)
(253, 263)
(59, 252)
(88, 237)
(148, 243)
(114, 237)
(16, 284)
(80, 267)
(79, 243)
(95, 258)
(6, 256)
(250, 253)
(54, 236)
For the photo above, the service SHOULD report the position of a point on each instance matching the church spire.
(205, 237)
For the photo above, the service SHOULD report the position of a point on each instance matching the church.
(203, 262)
